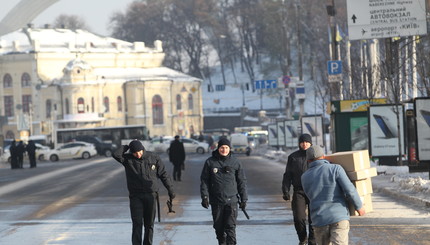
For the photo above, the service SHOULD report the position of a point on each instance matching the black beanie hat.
(305, 137)
(224, 141)
(136, 146)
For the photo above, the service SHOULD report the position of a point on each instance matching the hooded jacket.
(223, 180)
(143, 173)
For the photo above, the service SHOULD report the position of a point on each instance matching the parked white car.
(72, 150)
(161, 144)
(192, 146)
(41, 153)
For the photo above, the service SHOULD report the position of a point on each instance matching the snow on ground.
(414, 182)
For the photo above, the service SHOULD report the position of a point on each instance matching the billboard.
(313, 125)
(292, 133)
(384, 134)
(272, 129)
(422, 116)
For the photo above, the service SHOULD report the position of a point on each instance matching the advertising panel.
(281, 133)
(292, 133)
(273, 134)
(384, 135)
(359, 133)
(313, 125)
(422, 113)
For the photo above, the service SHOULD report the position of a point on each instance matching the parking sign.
(334, 67)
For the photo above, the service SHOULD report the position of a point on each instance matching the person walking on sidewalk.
(328, 188)
(177, 157)
(296, 166)
(143, 169)
(223, 183)
(31, 150)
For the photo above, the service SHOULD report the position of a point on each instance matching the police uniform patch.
(215, 170)
(153, 167)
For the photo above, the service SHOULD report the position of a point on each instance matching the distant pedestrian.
(328, 188)
(13, 155)
(143, 169)
(31, 150)
(20, 150)
(177, 157)
(223, 185)
(296, 166)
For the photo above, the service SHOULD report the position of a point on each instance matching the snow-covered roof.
(66, 40)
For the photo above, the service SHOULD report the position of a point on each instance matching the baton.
(170, 205)
(158, 206)
(244, 212)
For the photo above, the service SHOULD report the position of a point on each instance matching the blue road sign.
(263, 84)
(334, 67)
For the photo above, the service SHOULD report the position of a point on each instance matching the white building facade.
(60, 78)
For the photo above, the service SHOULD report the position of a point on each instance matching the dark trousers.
(142, 209)
(32, 158)
(224, 217)
(177, 168)
(300, 204)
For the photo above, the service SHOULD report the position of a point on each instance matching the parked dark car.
(103, 148)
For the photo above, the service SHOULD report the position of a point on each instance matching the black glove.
(125, 148)
(172, 195)
(242, 205)
(205, 202)
(286, 196)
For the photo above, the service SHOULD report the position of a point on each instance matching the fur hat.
(136, 146)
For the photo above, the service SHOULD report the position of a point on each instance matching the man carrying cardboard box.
(328, 187)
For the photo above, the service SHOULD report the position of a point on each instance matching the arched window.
(10, 135)
(81, 105)
(119, 103)
(106, 103)
(7, 81)
(25, 80)
(178, 102)
(157, 110)
(48, 107)
(8, 106)
(190, 102)
(92, 104)
(66, 104)
(26, 102)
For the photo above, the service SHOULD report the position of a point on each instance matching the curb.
(408, 198)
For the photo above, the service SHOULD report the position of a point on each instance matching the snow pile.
(414, 183)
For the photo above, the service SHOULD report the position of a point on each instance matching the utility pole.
(331, 11)
(299, 48)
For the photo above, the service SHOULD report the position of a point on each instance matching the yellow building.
(60, 78)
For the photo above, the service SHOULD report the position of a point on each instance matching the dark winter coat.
(176, 152)
(296, 166)
(223, 180)
(143, 174)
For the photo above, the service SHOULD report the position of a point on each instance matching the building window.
(26, 102)
(7, 81)
(190, 102)
(48, 107)
(92, 104)
(106, 103)
(157, 110)
(220, 87)
(25, 80)
(8, 106)
(66, 104)
(178, 102)
(81, 105)
(119, 103)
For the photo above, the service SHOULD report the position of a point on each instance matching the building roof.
(62, 40)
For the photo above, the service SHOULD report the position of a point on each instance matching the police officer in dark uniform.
(143, 169)
(177, 157)
(296, 166)
(223, 182)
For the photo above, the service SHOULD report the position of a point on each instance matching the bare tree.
(72, 22)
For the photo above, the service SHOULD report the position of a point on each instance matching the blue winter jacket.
(327, 186)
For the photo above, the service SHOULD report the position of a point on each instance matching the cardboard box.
(362, 174)
(367, 204)
(351, 160)
(364, 186)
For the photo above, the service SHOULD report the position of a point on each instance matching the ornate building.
(59, 78)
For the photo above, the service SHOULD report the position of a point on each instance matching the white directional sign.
(372, 19)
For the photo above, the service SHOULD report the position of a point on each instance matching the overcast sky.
(96, 13)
